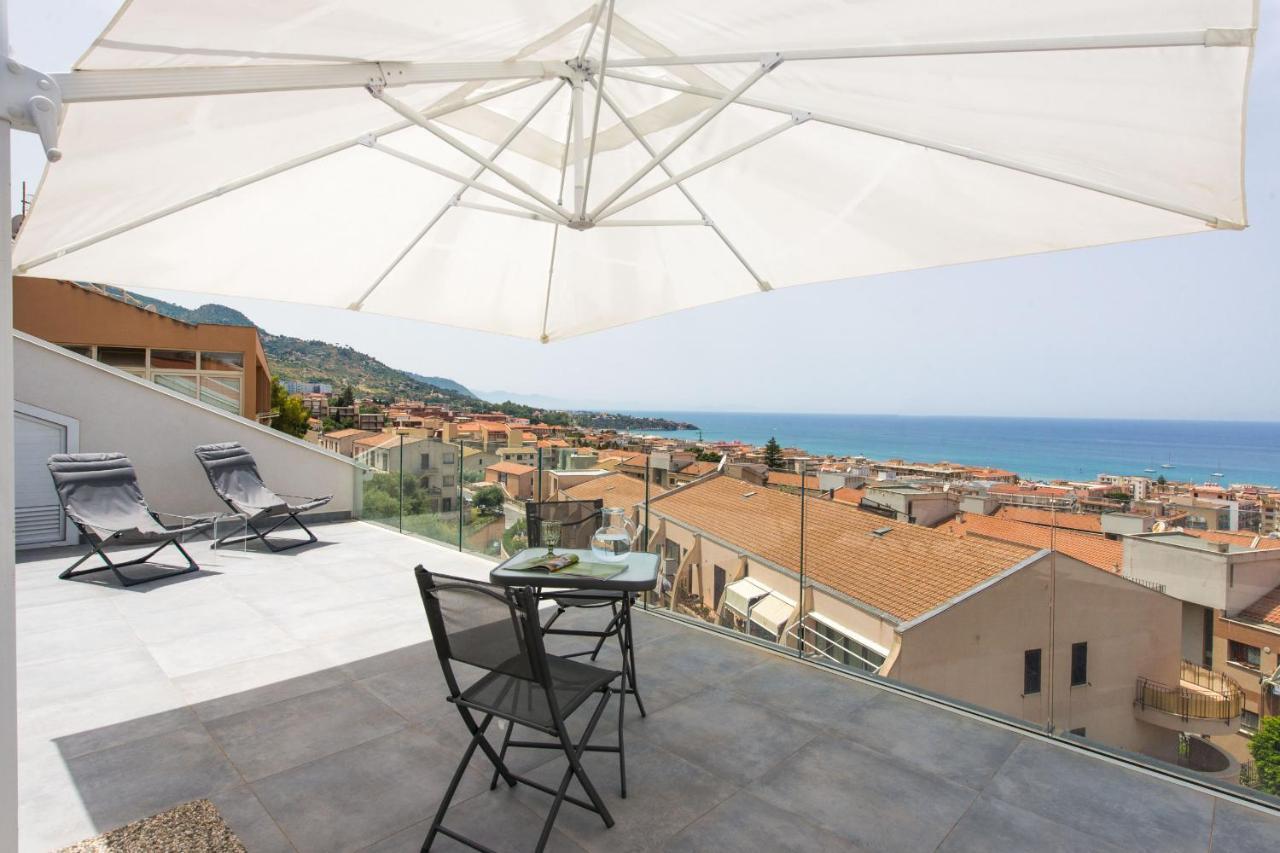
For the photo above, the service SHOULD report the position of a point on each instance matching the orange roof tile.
(511, 468)
(1252, 541)
(616, 490)
(1084, 522)
(347, 433)
(1265, 609)
(905, 572)
(790, 480)
(847, 495)
(1097, 551)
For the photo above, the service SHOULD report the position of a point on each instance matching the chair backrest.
(100, 492)
(489, 627)
(579, 520)
(234, 476)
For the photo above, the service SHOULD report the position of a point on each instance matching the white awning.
(773, 612)
(850, 633)
(554, 168)
(739, 595)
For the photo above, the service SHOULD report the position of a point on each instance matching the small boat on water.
(1148, 470)
(1166, 465)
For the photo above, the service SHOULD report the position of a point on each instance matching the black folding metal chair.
(234, 476)
(496, 630)
(578, 521)
(99, 492)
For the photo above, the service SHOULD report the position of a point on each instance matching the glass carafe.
(612, 542)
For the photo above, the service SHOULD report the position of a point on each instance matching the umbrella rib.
(555, 231)
(408, 112)
(797, 119)
(455, 201)
(644, 143)
(1209, 37)
(591, 30)
(595, 121)
(721, 104)
(948, 148)
(278, 169)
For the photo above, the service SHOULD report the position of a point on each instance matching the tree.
(291, 418)
(1265, 749)
(346, 397)
(487, 500)
(773, 453)
(708, 456)
(1161, 481)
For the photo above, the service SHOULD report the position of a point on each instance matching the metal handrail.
(1222, 704)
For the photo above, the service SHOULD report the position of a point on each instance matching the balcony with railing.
(1204, 702)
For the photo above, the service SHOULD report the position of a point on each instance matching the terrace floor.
(300, 693)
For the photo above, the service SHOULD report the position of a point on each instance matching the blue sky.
(1174, 328)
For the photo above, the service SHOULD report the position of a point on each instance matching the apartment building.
(343, 441)
(616, 490)
(910, 504)
(430, 461)
(223, 366)
(1044, 497)
(1230, 610)
(515, 479)
(963, 617)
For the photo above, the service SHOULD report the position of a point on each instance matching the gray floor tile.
(250, 822)
(497, 820)
(738, 741)
(867, 797)
(678, 666)
(214, 649)
(418, 692)
(741, 817)
(994, 826)
(802, 692)
(141, 778)
(1240, 829)
(51, 682)
(664, 793)
(354, 798)
(938, 741)
(1118, 805)
(280, 736)
(104, 737)
(251, 684)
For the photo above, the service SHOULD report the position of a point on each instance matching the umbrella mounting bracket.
(32, 101)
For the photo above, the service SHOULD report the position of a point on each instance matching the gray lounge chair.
(234, 476)
(100, 494)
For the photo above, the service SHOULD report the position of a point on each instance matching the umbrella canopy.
(549, 169)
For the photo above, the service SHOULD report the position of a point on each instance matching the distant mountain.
(315, 361)
(441, 382)
(319, 361)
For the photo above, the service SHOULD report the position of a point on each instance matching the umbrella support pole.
(32, 102)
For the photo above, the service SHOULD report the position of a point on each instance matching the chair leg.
(263, 534)
(477, 738)
(502, 756)
(573, 752)
(115, 567)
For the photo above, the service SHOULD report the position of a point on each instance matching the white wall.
(158, 430)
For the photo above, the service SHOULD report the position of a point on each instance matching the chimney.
(449, 432)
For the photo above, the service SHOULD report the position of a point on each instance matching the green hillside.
(316, 361)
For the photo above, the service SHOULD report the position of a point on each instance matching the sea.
(1036, 448)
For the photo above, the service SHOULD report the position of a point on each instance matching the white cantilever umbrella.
(549, 169)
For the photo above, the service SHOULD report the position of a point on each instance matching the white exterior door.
(39, 434)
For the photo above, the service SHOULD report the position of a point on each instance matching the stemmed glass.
(551, 536)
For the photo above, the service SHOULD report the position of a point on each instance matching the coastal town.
(898, 571)
(1135, 609)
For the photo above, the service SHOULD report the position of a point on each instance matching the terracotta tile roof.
(381, 440)
(792, 481)
(1084, 522)
(1097, 551)
(616, 490)
(1011, 489)
(511, 468)
(1252, 541)
(698, 468)
(1265, 610)
(905, 572)
(848, 495)
(347, 433)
